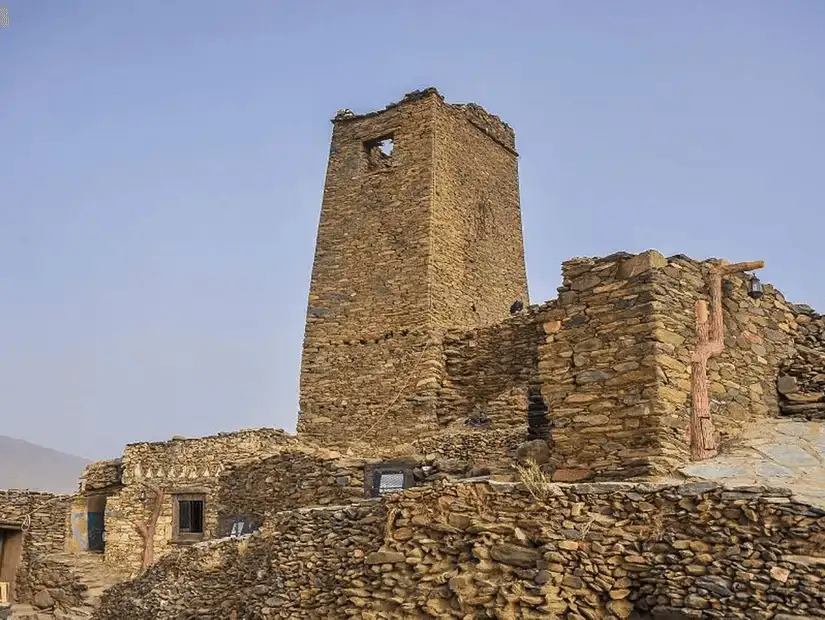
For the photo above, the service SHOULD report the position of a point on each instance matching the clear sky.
(162, 163)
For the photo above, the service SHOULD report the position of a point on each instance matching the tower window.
(379, 152)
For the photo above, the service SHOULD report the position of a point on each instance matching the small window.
(379, 153)
(388, 481)
(189, 517)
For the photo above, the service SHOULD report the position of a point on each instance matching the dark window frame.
(186, 517)
(374, 473)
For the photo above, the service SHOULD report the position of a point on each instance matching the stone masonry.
(417, 372)
(181, 467)
(479, 550)
(802, 381)
(34, 528)
(409, 245)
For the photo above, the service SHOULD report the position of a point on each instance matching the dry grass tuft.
(534, 480)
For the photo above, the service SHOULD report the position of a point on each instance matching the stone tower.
(420, 232)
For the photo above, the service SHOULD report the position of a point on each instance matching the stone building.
(411, 242)
(407, 492)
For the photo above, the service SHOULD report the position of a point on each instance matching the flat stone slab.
(773, 470)
(790, 455)
(713, 471)
(780, 453)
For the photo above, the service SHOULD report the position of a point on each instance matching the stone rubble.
(596, 550)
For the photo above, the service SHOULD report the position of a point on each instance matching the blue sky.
(162, 163)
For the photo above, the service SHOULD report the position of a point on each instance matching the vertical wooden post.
(147, 530)
(710, 342)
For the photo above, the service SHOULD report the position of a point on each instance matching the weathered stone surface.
(537, 450)
(637, 541)
(178, 467)
(43, 600)
(514, 555)
(412, 263)
(37, 526)
(640, 264)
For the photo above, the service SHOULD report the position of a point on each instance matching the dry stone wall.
(802, 381)
(488, 372)
(409, 244)
(180, 466)
(303, 477)
(477, 267)
(294, 478)
(598, 370)
(370, 392)
(369, 299)
(101, 476)
(36, 525)
(481, 451)
(759, 336)
(586, 551)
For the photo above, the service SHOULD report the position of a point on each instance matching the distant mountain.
(25, 465)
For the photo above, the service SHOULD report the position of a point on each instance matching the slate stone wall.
(604, 550)
(409, 245)
(42, 519)
(179, 466)
(802, 381)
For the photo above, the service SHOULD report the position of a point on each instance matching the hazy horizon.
(163, 166)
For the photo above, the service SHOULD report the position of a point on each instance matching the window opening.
(190, 516)
(379, 152)
(388, 481)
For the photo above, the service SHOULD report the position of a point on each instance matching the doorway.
(95, 523)
(11, 546)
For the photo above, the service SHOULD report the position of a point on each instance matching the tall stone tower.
(420, 232)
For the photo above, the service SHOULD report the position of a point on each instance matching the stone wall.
(615, 367)
(38, 522)
(477, 268)
(611, 357)
(759, 336)
(410, 244)
(301, 477)
(598, 371)
(802, 382)
(101, 476)
(294, 478)
(369, 301)
(488, 371)
(604, 550)
(179, 466)
(371, 391)
(492, 450)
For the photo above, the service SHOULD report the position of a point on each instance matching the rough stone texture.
(598, 371)
(43, 520)
(786, 453)
(301, 477)
(294, 478)
(605, 550)
(759, 336)
(101, 476)
(178, 466)
(491, 448)
(802, 383)
(408, 246)
(488, 372)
